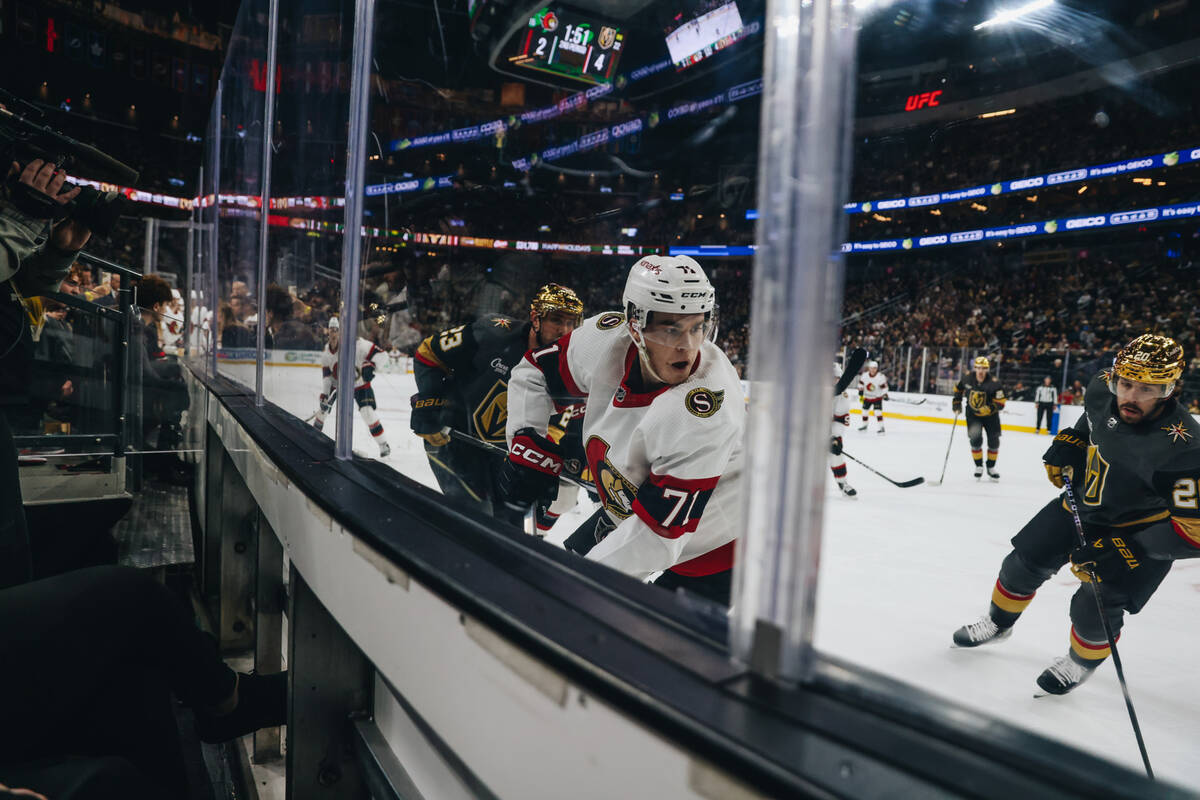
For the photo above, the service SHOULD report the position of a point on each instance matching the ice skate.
(880, 431)
(1063, 675)
(985, 631)
(862, 427)
(978, 473)
(991, 473)
(847, 489)
(385, 450)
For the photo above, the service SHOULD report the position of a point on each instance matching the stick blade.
(914, 482)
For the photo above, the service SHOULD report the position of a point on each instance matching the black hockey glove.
(427, 419)
(956, 406)
(1110, 557)
(835, 445)
(1065, 456)
(530, 473)
(368, 372)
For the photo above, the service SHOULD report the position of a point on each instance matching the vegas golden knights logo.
(977, 400)
(607, 37)
(616, 492)
(492, 413)
(1094, 477)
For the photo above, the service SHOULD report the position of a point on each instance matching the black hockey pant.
(1043, 547)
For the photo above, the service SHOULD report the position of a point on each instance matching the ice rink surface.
(903, 568)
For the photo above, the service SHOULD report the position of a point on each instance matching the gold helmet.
(553, 297)
(982, 361)
(1152, 359)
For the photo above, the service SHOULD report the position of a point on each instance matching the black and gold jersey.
(982, 399)
(1137, 474)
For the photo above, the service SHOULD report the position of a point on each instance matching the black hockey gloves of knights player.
(1110, 557)
(427, 419)
(1065, 457)
(530, 473)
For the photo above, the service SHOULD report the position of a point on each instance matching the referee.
(1045, 397)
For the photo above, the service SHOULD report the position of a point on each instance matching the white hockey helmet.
(667, 284)
(872, 365)
(334, 325)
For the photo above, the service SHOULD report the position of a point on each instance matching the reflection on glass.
(1018, 215)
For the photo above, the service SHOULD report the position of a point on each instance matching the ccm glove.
(835, 445)
(1065, 455)
(1110, 557)
(530, 473)
(957, 406)
(426, 420)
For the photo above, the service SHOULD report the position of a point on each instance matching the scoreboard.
(564, 42)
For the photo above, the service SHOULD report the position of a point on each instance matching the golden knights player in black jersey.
(1134, 460)
(985, 398)
(462, 383)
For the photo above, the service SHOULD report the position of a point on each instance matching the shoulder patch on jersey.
(1177, 432)
(704, 402)
(607, 322)
(502, 322)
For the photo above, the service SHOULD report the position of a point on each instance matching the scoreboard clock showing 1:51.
(564, 42)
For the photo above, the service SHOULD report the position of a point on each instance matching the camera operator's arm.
(34, 252)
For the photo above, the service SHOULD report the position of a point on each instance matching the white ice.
(903, 568)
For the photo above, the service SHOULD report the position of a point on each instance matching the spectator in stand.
(232, 334)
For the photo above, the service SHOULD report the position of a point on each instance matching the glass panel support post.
(268, 130)
(356, 163)
(804, 159)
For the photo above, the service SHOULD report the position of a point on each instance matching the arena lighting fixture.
(1003, 113)
(1032, 198)
(978, 207)
(1015, 13)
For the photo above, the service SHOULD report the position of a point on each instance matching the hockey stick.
(496, 449)
(911, 402)
(329, 403)
(902, 484)
(946, 460)
(1112, 642)
(850, 372)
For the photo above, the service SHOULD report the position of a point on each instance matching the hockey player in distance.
(872, 391)
(841, 419)
(662, 434)
(985, 398)
(1134, 461)
(364, 373)
(462, 379)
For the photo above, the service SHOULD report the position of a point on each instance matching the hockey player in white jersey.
(872, 391)
(662, 435)
(841, 419)
(364, 395)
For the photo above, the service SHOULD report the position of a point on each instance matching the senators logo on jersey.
(491, 414)
(616, 492)
(609, 321)
(704, 402)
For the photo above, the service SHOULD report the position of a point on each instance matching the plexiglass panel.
(243, 91)
(1022, 188)
(304, 252)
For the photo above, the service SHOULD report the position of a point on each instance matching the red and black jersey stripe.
(552, 361)
(672, 506)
